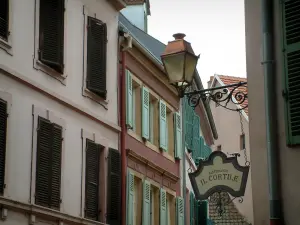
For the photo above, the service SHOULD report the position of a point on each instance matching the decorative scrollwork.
(221, 95)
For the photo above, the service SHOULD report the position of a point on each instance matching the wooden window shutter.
(4, 17)
(202, 212)
(291, 55)
(196, 137)
(51, 34)
(163, 138)
(92, 164)
(48, 164)
(114, 188)
(129, 100)
(96, 57)
(3, 127)
(196, 206)
(179, 211)
(192, 207)
(163, 207)
(130, 198)
(178, 136)
(189, 116)
(146, 203)
(145, 114)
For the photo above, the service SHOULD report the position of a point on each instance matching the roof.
(227, 80)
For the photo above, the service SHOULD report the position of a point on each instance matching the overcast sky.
(215, 29)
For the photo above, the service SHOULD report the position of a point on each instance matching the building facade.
(273, 56)
(59, 124)
(233, 131)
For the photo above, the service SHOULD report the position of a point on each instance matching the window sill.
(87, 93)
(49, 71)
(6, 46)
(148, 144)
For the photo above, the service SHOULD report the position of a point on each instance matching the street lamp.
(180, 63)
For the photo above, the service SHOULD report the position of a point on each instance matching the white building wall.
(29, 90)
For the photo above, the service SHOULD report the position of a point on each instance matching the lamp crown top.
(179, 36)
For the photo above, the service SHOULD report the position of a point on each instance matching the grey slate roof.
(152, 45)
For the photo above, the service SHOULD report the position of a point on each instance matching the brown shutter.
(96, 56)
(114, 188)
(51, 49)
(4, 15)
(92, 180)
(3, 124)
(48, 164)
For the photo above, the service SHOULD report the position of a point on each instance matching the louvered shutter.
(51, 34)
(130, 198)
(114, 188)
(196, 138)
(179, 211)
(92, 164)
(163, 138)
(178, 136)
(145, 113)
(129, 100)
(4, 16)
(202, 212)
(163, 207)
(291, 53)
(192, 208)
(196, 207)
(96, 56)
(189, 116)
(146, 203)
(48, 164)
(3, 127)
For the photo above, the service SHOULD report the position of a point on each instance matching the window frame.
(7, 97)
(103, 170)
(6, 45)
(37, 64)
(87, 12)
(49, 115)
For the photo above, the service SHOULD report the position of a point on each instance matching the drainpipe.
(123, 133)
(270, 107)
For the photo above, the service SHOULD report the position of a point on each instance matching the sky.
(215, 28)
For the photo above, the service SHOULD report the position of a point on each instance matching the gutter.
(276, 217)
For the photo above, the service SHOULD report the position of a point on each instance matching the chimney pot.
(179, 36)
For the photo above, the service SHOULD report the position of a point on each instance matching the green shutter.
(179, 211)
(163, 207)
(145, 113)
(202, 212)
(178, 136)
(196, 206)
(48, 164)
(192, 206)
(196, 138)
(129, 100)
(96, 57)
(51, 34)
(114, 187)
(189, 116)
(4, 17)
(130, 198)
(146, 203)
(3, 127)
(163, 138)
(92, 164)
(291, 54)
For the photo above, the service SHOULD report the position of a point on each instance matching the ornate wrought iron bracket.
(221, 95)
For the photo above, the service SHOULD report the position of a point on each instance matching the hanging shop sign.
(219, 173)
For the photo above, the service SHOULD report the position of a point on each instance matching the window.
(3, 127)
(96, 57)
(48, 164)
(4, 19)
(155, 205)
(92, 174)
(242, 142)
(291, 58)
(170, 208)
(51, 34)
(219, 148)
